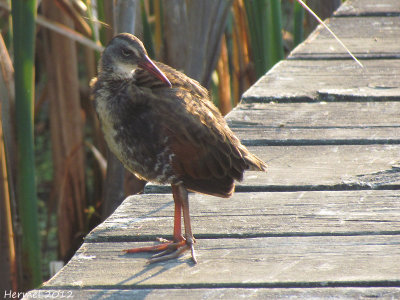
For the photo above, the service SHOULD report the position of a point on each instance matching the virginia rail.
(163, 127)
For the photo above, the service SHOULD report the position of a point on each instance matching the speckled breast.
(134, 140)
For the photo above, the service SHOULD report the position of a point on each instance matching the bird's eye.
(127, 52)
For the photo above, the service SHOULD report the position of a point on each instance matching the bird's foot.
(167, 249)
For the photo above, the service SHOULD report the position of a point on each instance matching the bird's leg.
(180, 244)
(177, 221)
(186, 220)
(166, 245)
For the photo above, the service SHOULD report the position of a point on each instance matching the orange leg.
(180, 244)
(186, 219)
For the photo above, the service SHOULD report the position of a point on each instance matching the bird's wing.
(206, 155)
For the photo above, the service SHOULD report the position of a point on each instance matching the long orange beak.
(148, 65)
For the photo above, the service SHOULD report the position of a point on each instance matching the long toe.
(155, 248)
(167, 255)
(174, 251)
(167, 249)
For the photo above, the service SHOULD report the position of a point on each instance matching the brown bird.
(163, 127)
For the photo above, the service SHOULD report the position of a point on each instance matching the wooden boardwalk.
(323, 222)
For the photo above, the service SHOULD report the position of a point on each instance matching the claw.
(193, 254)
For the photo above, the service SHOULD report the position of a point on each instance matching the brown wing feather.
(207, 156)
(199, 170)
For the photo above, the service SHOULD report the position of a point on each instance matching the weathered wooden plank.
(348, 166)
(328, 80)
(371, 122)
(369, 8)
(328, 114)
(316, 261)
(222, 293)
(145, 217)
(295, 136)
(319, 167)
(368, 37)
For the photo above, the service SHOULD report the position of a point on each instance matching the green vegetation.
(24, 14)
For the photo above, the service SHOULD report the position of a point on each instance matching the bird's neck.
(143, 78)
(138, 77)
(116, 73)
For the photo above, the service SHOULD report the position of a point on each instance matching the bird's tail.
(254, 163)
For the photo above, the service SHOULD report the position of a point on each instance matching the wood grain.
(313, 123)
(369, 8)
(270, 261)
(348, 166)
(328, 80)
(367, 37)
(225, 293)
(319, 167)
(146, 217)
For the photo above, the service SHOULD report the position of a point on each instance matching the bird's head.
(124, 55)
